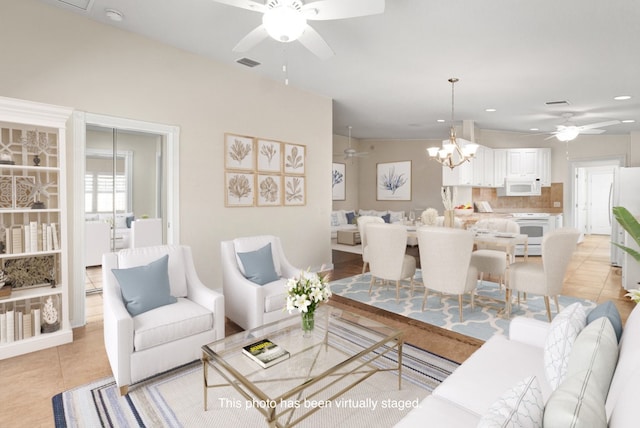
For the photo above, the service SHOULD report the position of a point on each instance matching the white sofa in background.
(97, 241)
(340, 218)
(165, 337)
(582, 398)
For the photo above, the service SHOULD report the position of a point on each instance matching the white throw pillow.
(563, 331)
(520, 406)
(396, 216)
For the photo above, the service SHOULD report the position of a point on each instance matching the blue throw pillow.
(609, 310)
(145, 287)
(387, 218)
(258, 265)
(351, 217)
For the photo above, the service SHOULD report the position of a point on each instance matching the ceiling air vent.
(557, 103)
(80, 4)
(248, 62)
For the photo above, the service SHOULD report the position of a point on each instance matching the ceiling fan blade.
(323, 10)
(311, 40)
(244, 4)
(257, 35)
(591, 131)
(598, 125)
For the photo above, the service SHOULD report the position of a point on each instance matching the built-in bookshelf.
(34, 309)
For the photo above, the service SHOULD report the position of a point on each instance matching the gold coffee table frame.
(320, 369)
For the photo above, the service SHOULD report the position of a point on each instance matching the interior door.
(599, 185)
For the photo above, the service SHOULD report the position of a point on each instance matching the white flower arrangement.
(306, 292)
(634, 294)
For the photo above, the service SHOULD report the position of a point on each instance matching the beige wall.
(57, 57)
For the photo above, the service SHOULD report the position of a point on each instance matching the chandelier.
(454, 151)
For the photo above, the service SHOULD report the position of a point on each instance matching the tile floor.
(28, 382)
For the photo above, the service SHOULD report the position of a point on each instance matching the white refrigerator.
(625, 193)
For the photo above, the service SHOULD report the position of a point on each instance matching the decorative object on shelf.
(29, 271)
(455, 150)
(305, 293)
(37, 142)
(393, 181)
(38, 189)
(6, 159)
(22, 188)
(3, 277)
(50, 321)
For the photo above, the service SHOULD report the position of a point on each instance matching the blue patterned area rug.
(442, 310)
(174, 399)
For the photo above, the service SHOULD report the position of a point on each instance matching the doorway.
(592, 187)
(125, 170)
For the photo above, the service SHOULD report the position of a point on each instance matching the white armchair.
(247, 303)
(168, 336)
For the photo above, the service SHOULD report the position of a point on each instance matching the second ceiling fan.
(568, 131)
(286, 20)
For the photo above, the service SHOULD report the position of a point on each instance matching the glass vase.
(308, 322)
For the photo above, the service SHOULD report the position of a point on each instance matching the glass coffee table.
(343, 350)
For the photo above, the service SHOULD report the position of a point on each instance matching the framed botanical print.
(294, 190)
(294, 159)
(393, 181)
(269, 155)
(269, 190)
(239, 152)
(338, 181)
(239, 189)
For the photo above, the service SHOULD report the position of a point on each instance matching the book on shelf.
(265, 353)
(16, 239)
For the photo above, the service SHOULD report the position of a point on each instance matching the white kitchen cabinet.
(499, 166)
(478, 172)
(544, 166)
(33, 213)
(489, 169)
(522, 164)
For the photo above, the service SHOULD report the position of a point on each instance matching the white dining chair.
(544, 278)
(362, 221)
(388, 260)
(492, 259)
(445, 261)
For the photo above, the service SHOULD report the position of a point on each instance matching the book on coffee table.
(265, 353)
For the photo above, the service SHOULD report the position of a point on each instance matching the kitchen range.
(535, 226)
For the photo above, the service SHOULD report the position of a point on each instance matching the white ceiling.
(388, 78)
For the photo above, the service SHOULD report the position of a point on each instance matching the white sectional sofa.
(573, 373)
(346, 219)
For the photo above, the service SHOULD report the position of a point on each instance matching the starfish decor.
(38, 188)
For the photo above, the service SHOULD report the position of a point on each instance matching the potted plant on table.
(632, 226)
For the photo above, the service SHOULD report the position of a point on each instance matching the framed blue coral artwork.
(393, 181)
(338, 181)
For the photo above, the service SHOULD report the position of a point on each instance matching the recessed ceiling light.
(114, 15)
(490, 110)
(622, 97)
(628, 121)
(440, 120)
(534, 129)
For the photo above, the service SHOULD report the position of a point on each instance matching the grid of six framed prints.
(262, 172)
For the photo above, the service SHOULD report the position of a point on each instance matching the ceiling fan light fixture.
(284, 21)
(568, 133)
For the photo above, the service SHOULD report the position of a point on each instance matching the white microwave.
(520, 188)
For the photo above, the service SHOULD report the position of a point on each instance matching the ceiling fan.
(350, 153)
(286, 20)
(568, 131)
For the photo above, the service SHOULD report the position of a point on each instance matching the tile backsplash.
(550, 200)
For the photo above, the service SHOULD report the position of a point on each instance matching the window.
(99, 192)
